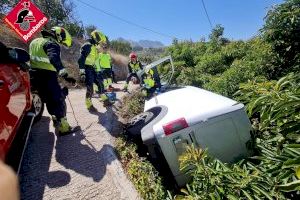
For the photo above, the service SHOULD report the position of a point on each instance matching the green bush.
(277, 103)
(253, 64)
(274, 173)
(212, 63)
(281, 31)
(132, 105)
(212, 179)
(140, 171)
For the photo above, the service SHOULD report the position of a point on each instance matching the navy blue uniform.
(46, 83)
(91, 76)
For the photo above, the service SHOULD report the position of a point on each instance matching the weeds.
(140, 171)
(132, 105)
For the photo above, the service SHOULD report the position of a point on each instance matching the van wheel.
(137, 123)
(37, 106)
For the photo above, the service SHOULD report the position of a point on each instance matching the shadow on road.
(34, 173)
(77, 153)
(109, 120)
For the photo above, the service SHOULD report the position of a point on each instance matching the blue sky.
(184, 19)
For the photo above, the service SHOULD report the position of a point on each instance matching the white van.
(190, 115)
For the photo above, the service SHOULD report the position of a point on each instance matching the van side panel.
(243, 125)
(224, 136)
(220, 138)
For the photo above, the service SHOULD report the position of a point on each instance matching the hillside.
(143, 43)
(69, 56)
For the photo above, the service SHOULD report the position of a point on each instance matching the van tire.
(137, 123)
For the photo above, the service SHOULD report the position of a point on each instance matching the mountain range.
(143, 43)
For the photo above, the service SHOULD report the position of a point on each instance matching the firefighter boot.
(89, 104)
(55, 121)
(106, 101)
(64, 128)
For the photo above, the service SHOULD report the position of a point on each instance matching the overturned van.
(189, 115)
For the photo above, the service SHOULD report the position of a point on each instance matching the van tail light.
(175, 126)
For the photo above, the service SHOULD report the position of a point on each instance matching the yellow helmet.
(98, 37)
(105, 43)
(62, 36)
(149, 72)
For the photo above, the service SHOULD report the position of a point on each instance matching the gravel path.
(78, 166)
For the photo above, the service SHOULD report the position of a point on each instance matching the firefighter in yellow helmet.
(151, 83)
(87, 66)
(104, 67)
(46, 66)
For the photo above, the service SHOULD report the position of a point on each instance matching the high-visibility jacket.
(149, 82)
(135, 66)
(38, 57)
(149, 79)
(103, 61)
(92, 57)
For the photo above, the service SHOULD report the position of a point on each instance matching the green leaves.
(211, 176)
(293, 186)
(140, 171)
(277, 166)
(280, 30)
(277, 103)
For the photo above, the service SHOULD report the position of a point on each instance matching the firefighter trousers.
(47, 86)
(91, 77)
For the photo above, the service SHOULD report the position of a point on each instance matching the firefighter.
(46, 66)
(134, 66)
(150, 84)
(104, 66)
(87, 66)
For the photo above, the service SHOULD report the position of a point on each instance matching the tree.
(216, 35)
(121, 47)
(6, 5)
(216, 32)
(282, 31)
(75, 29)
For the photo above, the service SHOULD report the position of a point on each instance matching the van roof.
(193, 104)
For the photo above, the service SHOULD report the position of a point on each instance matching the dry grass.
(132, 105)
(120, 62)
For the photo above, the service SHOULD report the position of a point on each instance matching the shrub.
(277, 103)
(274, 173)
(132, 105)
(212, 179)
(281, 31)
(140, 171)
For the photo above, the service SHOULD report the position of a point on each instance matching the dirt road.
(78, 166)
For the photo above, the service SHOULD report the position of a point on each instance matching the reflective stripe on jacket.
(149, 82)
(135, 66)
(38, 57)
(149, 79)
(103, 61)
(91, 58)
